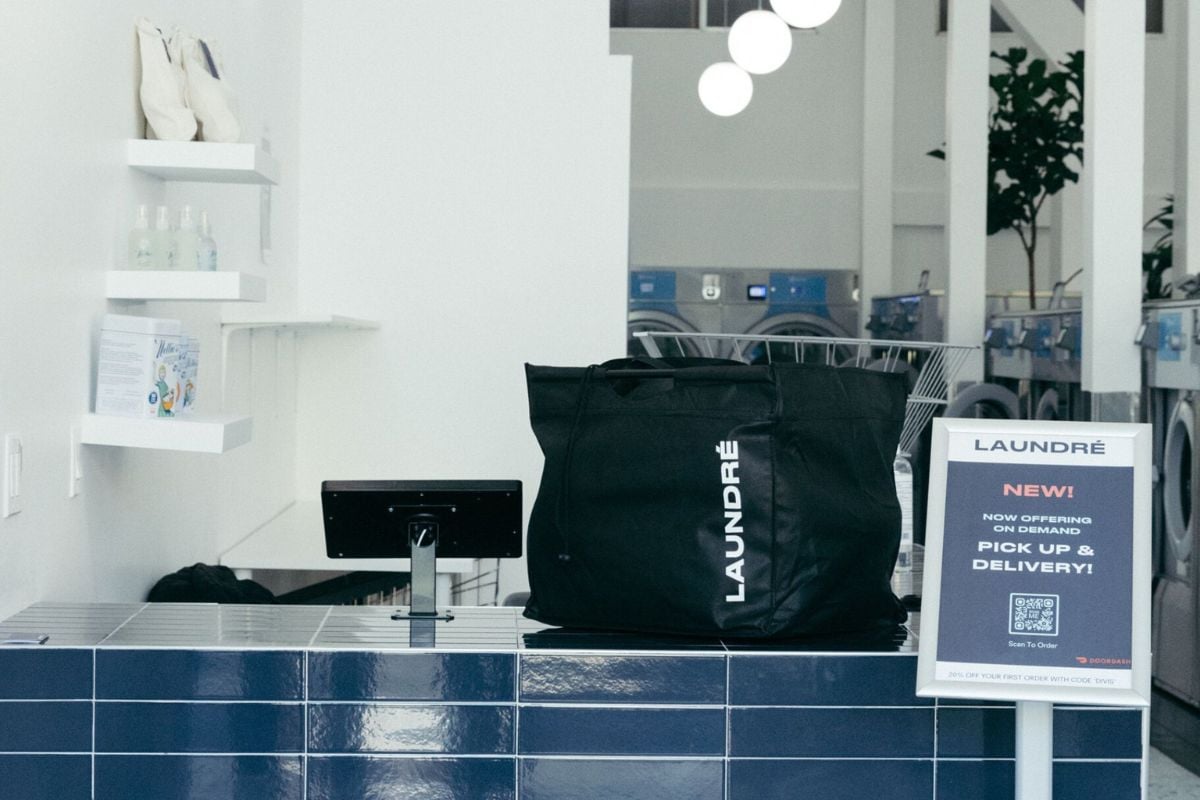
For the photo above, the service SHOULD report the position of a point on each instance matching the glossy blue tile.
(769, 779)
(199, 728)
(163, 777)
(480, 677)
(356, 778)
(1090, 780)
(584, 779)
(550, 730)
(199, 675)
(832, 732)
(42, 674)
(976, 732)
(1097, 733)
(48, 726)
(623, 679)
(977, 780)
(576, 639)
(824, 680)
(369, 728)
(30, 777)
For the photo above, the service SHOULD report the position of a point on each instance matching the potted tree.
(1035, 143)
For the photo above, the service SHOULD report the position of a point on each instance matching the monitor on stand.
(421, 520)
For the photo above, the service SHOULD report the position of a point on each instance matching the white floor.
(1169, 781)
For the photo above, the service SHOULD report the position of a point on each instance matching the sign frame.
(1133, 440)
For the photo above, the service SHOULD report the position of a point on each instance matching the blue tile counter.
(175, 701)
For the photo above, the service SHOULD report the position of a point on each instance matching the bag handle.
(652, 367)
(637, 367)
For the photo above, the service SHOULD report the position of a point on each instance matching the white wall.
(778, 184)
(465, 182)
(459, 170)
(774, 185)
(66, 200)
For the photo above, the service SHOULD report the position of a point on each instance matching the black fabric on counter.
(205, 583)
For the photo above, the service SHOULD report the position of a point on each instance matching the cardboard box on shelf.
(140, 370)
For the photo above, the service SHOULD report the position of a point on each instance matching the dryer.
(755, 302)
(1170, 341)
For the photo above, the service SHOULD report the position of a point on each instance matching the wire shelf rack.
(929, 366)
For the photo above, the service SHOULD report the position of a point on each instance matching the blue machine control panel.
(651, 288)
(1170, 344)
(1170, 336)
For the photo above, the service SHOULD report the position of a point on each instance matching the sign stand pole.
(1035, 750)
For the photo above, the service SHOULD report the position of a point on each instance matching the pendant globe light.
(760, 42)
(725, 88)
(806, 13)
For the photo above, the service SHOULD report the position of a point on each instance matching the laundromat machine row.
(1170, 342)
(1033, 370)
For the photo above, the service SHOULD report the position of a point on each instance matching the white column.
(967, 53)
(1186, 32)
(879, 83)
(1034, 751)
(1112, 188)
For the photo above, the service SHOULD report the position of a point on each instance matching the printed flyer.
(1036, 559)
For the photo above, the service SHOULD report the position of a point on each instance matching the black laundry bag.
(709, 497)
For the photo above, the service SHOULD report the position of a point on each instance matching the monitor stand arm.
(422, 540)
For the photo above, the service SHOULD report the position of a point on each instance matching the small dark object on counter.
(204, 583)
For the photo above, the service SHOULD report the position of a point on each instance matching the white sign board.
(1037, 563)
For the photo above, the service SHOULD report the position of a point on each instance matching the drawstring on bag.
(564, 494)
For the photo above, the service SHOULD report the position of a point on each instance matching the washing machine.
(1009, 344)
(1170, 341)
(1055, 388)
(658, 303)
(912, 317)
(754, 302)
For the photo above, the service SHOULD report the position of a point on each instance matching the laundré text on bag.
(731, 496)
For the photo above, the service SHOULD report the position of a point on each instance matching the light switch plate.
(13, 464)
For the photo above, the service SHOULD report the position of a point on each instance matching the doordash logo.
(731, 498)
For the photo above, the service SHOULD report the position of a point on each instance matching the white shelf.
(189, 434)
(235, 321)
(208, 162)
(295, 539)
(190, 285)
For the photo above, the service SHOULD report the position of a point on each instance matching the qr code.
(1033, 614)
